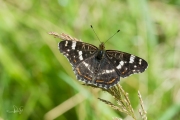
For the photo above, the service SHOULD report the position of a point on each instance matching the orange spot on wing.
(102, 81)
(88, 78)
(111, 81)
(78, 71)
(124, 71)
(99, 81)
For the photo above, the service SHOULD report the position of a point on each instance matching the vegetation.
(38, 82)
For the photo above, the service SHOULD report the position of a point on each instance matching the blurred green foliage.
(34, 75)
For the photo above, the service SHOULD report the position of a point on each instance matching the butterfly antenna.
(95, 33)
(111, 36)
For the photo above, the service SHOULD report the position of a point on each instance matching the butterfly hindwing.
(99, 73)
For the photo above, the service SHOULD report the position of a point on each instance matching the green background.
(35, 76)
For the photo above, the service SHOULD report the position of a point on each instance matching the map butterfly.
(97, 66)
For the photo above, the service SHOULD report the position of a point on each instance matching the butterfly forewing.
(125, 63)
(76, 51)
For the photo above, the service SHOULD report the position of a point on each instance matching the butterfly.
(97, 66)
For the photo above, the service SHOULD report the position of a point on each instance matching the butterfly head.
(101, 46)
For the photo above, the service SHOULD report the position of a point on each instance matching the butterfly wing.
(99, 73)
(76, 51)
(125, 63)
